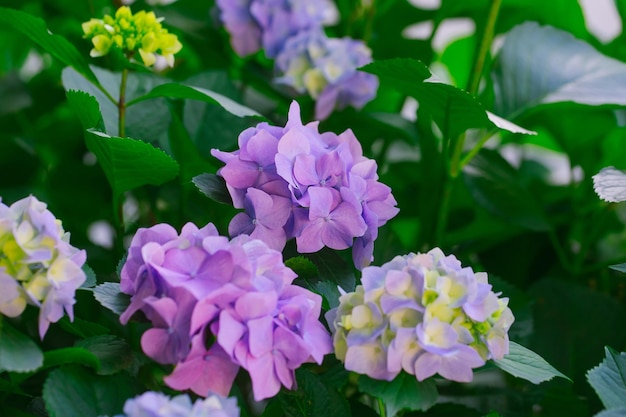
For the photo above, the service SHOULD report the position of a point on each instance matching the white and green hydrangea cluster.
(424, 314)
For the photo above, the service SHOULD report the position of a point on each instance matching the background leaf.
(56, 45)
(609, 379)
(76, 392)
(526, 364)
(404, 392)
(110, 296)
(18, 353)
(541, 64)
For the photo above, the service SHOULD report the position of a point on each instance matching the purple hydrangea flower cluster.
(38, 266)
(218, 305)
(306, 59)
(156, 404)
(326, 68)
(253, 24)
(424, 314)
(318, 188)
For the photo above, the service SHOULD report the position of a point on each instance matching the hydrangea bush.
(309, 208)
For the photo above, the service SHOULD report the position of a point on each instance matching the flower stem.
(121, 105)
(454, 167)
(381, 408)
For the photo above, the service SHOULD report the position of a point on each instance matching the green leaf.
(113, 352)
(404, 392)
(76, 392)
(175, 90)
(86, 108)
(609, 379)
(56, 45)
(18, 353)
(454, 110)
(82, 328)
(526, 364)
(214, 187)
(494, 184)
(186, 152)
(312, 398)
(70, 355)
(130, 163)
(90, 275)
(614, 412)
(110, 296)
(619, 267)
(541, 65)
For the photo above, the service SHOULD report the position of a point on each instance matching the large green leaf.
(405, 392)
(76, 392)
(609, 379)
(18, 353)
(526, 364)
(175, 90)
(541, 65)
(454, 110)
(130, 163)
(56, 45)
(495, 185)
(86, 108)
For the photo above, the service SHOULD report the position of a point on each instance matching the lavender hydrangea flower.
(423, 314)
(295, 182)
(217, 306)
(253, 24)
(38, 266)
(156, 404)
(326, 68)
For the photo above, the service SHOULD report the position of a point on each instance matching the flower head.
(38, 266)
(253, 24)
(140, 32)
(218, 305)
(156, 404)
(326, 69)
(295, 182)
(421, 313)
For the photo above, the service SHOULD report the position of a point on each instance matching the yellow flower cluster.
(129, 32)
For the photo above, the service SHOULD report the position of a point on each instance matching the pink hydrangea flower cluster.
(318, 188)
(217, 306)
(156, 404)
(424, 314)
(291, 31)
(38, 266)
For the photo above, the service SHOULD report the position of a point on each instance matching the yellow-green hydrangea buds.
(131, 33)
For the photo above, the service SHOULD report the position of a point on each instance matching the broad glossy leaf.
(70, 355)
(77, 392)
(454, 110)
(18, 353)
(542, 65)
(56, 45)
(90, 280)
(86, 108)
(130, 163)
(110, 296)
(526, 364)
(494, 184)
(186, 153)
(175, 90)
(405, 392)
(614, 412)
(609, 379)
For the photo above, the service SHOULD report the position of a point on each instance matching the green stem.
(121, 105)
(474, 82)
(381, 408)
